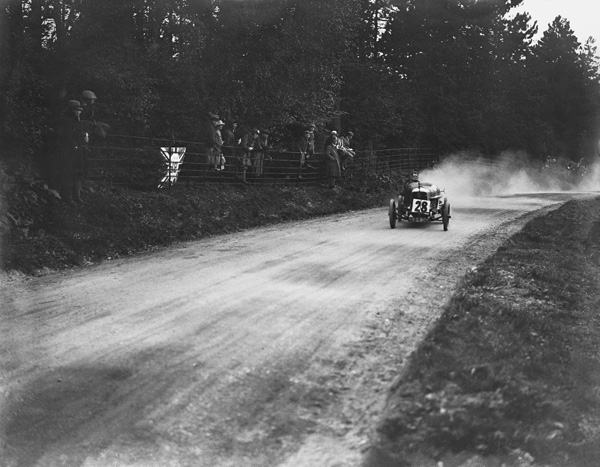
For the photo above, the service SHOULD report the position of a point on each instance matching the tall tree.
(568, 89)
(449, 51)
(445, 73)
(278, 62)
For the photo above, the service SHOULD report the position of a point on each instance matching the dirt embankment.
(39, 232)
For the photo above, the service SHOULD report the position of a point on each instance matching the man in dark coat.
(345, 151)
(88, 115)
(213, 140)
(72, 153)
(303, 145)
(249, 145)
(231, 140)
(332, 159)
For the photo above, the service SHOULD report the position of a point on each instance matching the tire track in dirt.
(248, 349)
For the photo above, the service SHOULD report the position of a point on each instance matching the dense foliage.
(448, 74)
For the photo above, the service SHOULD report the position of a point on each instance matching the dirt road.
(270, 347)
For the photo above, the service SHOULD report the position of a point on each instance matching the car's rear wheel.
(392, 214)
(446, 216)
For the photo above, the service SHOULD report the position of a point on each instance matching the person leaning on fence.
(250, 144)
(214, 141)
(303, 147)
(262, 155)
(230, 134)
(88, 101)
(345, 151)
(257, 155)
(310, 149)
(219, 157)
(264, 141)
(348, 137)
(72, 153)
(332, 159)
(310, 146)
(231, 140)
(88, 115)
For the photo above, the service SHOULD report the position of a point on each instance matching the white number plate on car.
(420, 205)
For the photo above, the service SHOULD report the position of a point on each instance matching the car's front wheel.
(446, 216)
(392, 214)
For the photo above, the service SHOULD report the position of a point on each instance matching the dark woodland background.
(445, 74)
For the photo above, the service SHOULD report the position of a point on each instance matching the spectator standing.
(72, 153)
(231, 141)
(303, 147)
(230, 134)
(345, 151)
(88, 115)
(264, 140)
(88, 101)
(262, 155)
(310, 150)
(311, 145)
(250, 143)
(219, 157)
(349, 136)
(332, 159)
(214, 141)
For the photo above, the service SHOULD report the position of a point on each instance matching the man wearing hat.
(215, 143)
(303, 146)
(306, 147)
(345, 151)
(212, 139)
(218, 146)
(258, 157)
(250, 145)
(231, 140)
(88, 115)
(72, 153)
(88, 100)
(310, 149)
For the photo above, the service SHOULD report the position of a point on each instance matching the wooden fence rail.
(145, 163)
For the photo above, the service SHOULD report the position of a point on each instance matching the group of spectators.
(248, 151)
(245, 151)
(337, 154)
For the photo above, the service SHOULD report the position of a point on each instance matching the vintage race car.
(420, 202)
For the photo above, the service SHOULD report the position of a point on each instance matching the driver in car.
(414, 178)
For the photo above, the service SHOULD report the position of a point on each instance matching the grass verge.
(510, 373)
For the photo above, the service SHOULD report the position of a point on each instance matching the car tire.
(392, 214)
(446, 216)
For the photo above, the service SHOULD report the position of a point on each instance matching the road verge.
(508, 375)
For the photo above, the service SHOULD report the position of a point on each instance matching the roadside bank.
(40, 233)
(509, 374)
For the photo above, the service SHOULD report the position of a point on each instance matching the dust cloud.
(465, 175)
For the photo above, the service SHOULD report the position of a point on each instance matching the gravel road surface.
(269, 347)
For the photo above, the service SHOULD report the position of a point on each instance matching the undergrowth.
(41, 233)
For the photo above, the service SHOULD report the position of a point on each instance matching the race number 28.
(420, 205)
